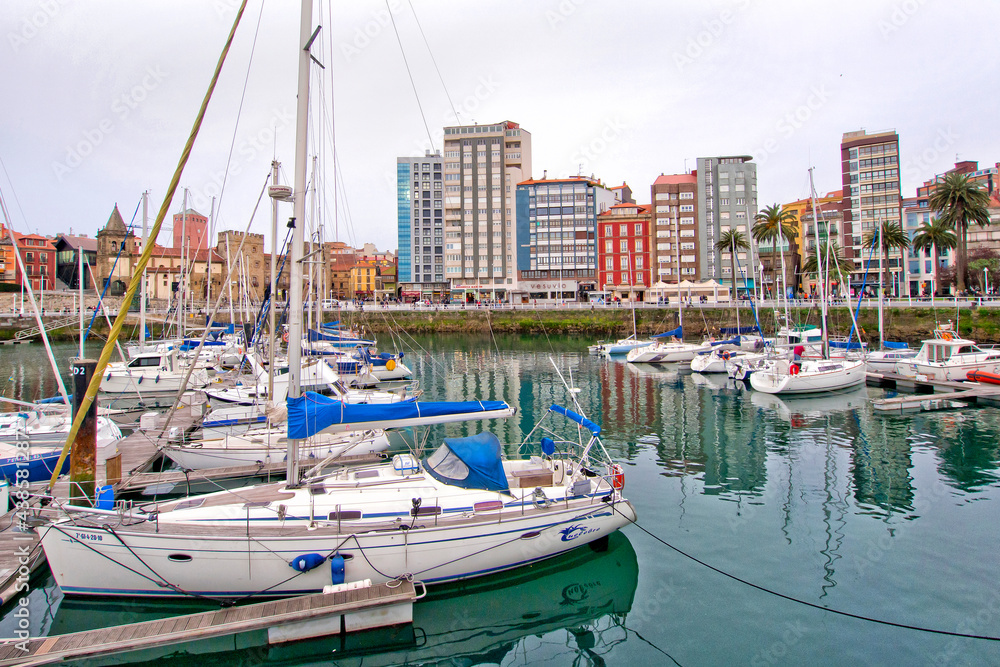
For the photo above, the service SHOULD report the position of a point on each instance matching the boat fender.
(548, 446)
(157, 381)
(109, 376)
(793, 369)
(336, 569)
(390, 365)
(140, 379)
(306, 562)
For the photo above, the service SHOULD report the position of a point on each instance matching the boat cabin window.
(144, 362)
(447, 464)
(967, 349)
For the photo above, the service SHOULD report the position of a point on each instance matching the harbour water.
(817, 499)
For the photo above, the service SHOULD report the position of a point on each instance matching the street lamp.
(986, 280)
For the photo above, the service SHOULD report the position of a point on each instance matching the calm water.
(819, 499)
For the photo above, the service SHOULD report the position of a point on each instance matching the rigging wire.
(434, 60)
(806, 603)
(239, 111)
(423, 116)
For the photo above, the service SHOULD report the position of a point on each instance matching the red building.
(624, 251)
(39, 257)
(193, 225)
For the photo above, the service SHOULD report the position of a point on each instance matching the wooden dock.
(285, 620)
(931, 395)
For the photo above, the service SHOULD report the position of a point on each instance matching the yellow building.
(829, 206)
(362, 280)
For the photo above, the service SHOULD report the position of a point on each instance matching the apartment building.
(420, 219)
(482, 166)
(871, 187)
(675, 215)
(557, 227)
(727, 198)
(625, 251)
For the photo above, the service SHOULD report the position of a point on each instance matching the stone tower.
(109, 241)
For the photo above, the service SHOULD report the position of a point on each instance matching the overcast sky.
(99, 95)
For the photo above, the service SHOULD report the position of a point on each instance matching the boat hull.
(175, 563)
(208, 455)
(816, 377)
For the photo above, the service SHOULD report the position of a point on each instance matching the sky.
(100, 96)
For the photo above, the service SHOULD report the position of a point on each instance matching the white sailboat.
(461, 512)
(810, 376)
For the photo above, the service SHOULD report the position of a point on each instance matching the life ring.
(725, 355)
(617, 476)
(793, 369)
(284, 337)
(946, 335)
(390, 365)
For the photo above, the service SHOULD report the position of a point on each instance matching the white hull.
(889, 361)
(267, 448)
(94, 561)
(664, 353)
(126, 383)
(954, 371)
(816, 376)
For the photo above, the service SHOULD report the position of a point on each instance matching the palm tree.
(837, 260)
(731, 241)
(934, 237)
(893, 237)
(772, 224)
(959, 201)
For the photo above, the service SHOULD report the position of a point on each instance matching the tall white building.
(482, 166)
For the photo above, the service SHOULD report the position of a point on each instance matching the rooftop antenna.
(579, 171)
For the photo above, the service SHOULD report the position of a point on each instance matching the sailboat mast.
(271, 317)
(181, 324)
(208, 271)
(79, 254)
(881, 291)
(677, 240)
(295, 272)
(142, 296)
(820, 267)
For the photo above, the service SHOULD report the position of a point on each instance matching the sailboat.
(810, 376)
(461, 512)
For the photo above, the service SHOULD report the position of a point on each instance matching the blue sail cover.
(678, 332)
(731, 341)
(311, 413)
(843, 345)
(469, 463)
(893, 345)
(738, 331)
(344, 341)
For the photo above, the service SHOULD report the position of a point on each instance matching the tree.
(893, 237)
(934, 237)
(984, 264)
(732, 241)
(837, 261)
(772, 224)
(959, 201)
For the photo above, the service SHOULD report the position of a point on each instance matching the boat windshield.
(469, 463)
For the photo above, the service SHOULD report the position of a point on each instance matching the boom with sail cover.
(311, 413)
